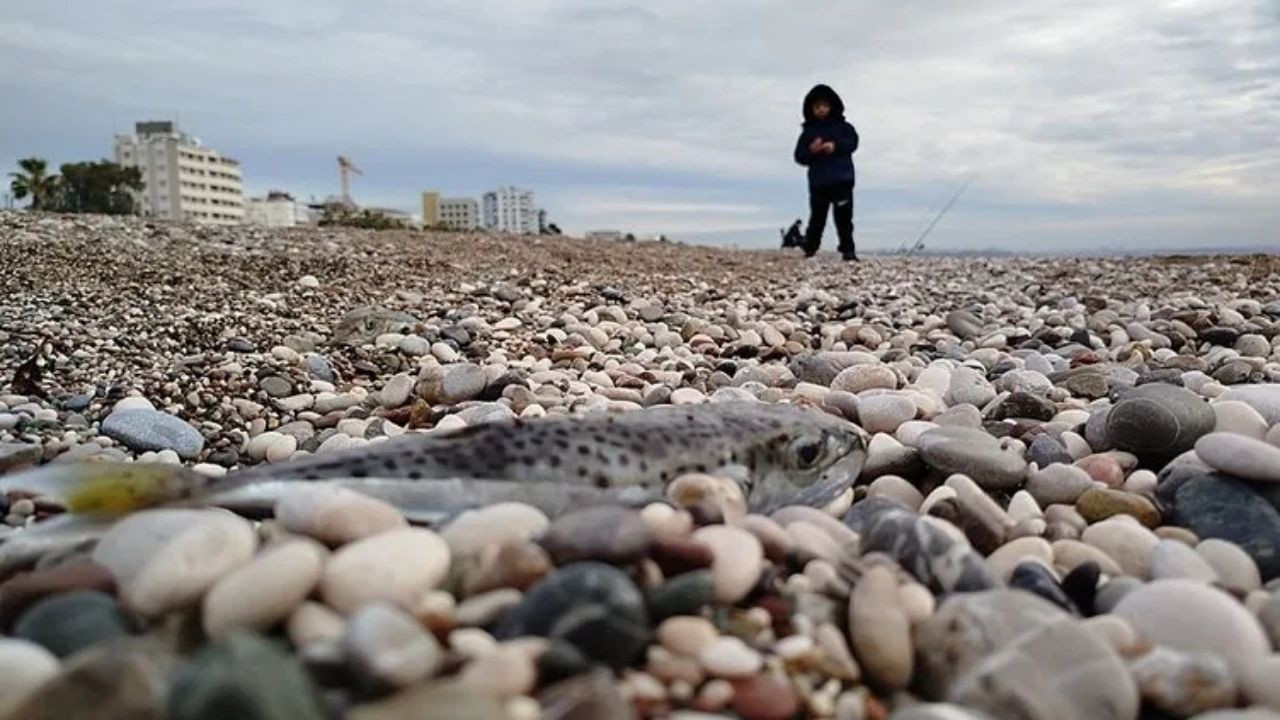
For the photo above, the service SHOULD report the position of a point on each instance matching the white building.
(460, 213)
(277, 209)
(510, 210)
(603, 235)
(182, 179)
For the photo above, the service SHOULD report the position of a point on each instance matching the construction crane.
(345, 168)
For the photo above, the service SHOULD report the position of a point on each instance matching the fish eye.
(807, 450)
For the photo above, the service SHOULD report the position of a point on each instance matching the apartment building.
(277, 209)
(182, 179)
(511, 210)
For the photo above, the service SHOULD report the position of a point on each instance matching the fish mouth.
(778, 490)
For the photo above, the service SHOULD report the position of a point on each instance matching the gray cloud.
(678, 116)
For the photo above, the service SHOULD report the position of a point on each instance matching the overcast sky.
(1140, 124)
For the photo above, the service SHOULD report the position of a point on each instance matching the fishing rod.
(919, 243)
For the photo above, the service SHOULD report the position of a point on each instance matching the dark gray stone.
(19, 455)
(1045, 450)
(1219, 506)
(246, 677)
(1158, 421)
(72, 621)
(613, 535)
(932, 557)
(142, 429)
(1034, 577)
(593, 606)
(684, 594)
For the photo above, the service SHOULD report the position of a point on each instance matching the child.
(826, 145)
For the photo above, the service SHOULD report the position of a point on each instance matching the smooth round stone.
(1103, 468)
(395, 566)
(386, 646)
(276, 386)
(1172, 559)
(764, 697)
(1253, 345)
(964, 452)
(462, 383)
(687, 396)
(487, 608)
(1233, 566)
(165, 559)
(335, 515)
(145, 429)
(1011, 554)
(1071, 554)
(396, 392)
(738, 560)
(1259, 684)
(1045, 451)
(1022, 507)
(1035, 577)
(969, 387)
(1115, 632)
(471, 531)
(1263, 398)
(1184, 684)
(1159, 420)
(884, 413)
(857, 378)
(265, 591)
(592, 606)
(879, 631)
(1215, 506)
(1097, 504)
(888, 456)
(608, 534)
(1058, 484)
(683, 594)
(1141, 482)
(729, 657)
(1234, 416)
(134, 402)
(896, 488)
(66, 623)
(1241, 456)
(514, 563)
(980, 649)
(21, 591)
(507, 672)
(965, 416)
(1193, 617)
(313, 622)
(1127, 542)
(243, 676)
(686, 634)
(24, 667)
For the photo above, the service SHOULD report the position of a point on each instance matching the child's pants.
(841, 197)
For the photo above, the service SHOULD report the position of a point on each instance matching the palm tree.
(34, 180)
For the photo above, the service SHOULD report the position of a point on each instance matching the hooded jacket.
(824, 169)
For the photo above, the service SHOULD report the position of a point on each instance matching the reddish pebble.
(764, 697)
(1104, 469)
(20, 591)
(680, 555)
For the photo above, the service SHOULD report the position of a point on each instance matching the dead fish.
(780, 454)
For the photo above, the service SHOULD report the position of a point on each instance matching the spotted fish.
(779, 454)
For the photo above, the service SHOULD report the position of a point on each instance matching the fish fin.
(108, 488)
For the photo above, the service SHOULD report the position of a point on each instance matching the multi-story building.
(451, 213)
(430, 209)
(277, 209)
(511, 210)
(182, 179)
(460, 213)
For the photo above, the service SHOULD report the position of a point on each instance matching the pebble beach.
(1069, 508)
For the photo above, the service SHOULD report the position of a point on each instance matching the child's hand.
(828, 147)
(815, 147)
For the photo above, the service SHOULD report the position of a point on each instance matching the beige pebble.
(729, 657)
(505, 672)
(397, 566)
(335, 515)
(686, 634)
(916, 601)
(475, 529)
(1008, 556)
(266, 590)
(738, 560)
(879, 630)
(313, 622)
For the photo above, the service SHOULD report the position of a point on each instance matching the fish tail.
(107, 488)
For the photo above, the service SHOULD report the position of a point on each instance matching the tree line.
(80, 187)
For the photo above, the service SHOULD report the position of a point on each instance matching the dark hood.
(823, 92)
